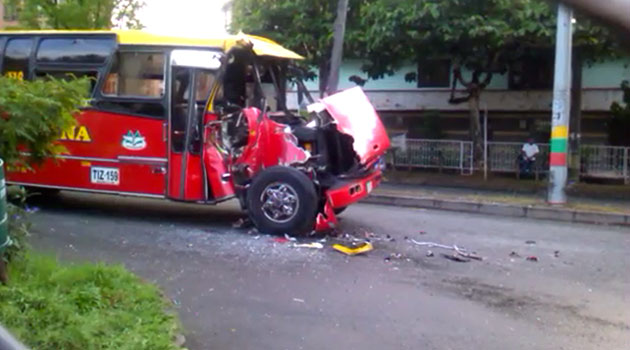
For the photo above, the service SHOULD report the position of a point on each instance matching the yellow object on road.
(363, 248)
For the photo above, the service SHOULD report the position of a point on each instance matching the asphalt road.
(239, 290)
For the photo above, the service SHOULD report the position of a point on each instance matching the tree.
(619, 123)
(304, 26)
(484, 36)
(33, 115)
(337, 50)
(78, 14)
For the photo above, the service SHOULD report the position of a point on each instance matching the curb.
(498, 209)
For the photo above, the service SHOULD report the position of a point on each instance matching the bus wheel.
(282, 200)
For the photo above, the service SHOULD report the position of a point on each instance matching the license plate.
(368, 186)
(106, 176)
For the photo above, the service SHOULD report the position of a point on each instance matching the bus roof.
(262, 46)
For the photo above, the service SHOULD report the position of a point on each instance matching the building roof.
(262, 46)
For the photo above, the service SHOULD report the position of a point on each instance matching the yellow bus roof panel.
(262, 46)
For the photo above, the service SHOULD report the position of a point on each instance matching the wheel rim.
(280, 202)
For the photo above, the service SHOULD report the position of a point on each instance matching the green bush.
(34, 113)
(19, 225)
(84, 307)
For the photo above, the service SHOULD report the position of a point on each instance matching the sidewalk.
(505, 197)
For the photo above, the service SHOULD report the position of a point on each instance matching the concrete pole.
(561, 108)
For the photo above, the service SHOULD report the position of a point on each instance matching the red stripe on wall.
(557, 159)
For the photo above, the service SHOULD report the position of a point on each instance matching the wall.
(513, 115)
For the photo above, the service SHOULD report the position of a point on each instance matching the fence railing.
(503, 156)
(440, 154)
(607, 162)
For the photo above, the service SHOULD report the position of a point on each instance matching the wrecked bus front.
(355, 116)
(294, 174)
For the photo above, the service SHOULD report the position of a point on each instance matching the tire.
(339, 210)
(282, 200)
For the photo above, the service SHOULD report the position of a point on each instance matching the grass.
(48, 305)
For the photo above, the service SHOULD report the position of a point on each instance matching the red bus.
(204, 121)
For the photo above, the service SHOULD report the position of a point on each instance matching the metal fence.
(607, 162)
(440, 154)
(503, 156)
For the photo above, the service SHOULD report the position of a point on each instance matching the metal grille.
(606, 162)
(441, 154)
(503, 156)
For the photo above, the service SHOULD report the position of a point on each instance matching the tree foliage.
(78, 14)
(484, 36)
(304, 26)
(33, 115)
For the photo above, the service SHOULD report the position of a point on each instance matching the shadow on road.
(146, 209)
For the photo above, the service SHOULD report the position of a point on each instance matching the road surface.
(236, 289)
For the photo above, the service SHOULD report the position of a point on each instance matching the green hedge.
(33, 115)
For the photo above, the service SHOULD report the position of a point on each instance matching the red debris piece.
(532, 258)
(280, 240)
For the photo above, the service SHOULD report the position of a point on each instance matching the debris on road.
(532, 258)
(353, 250)
(392, 256)
(289, 238)
(280, 240)
(429, 254)
(530, 242)
(514, 254)
(422, 232)
(455, 257)
(312, 245)
(298, 300)
(556, 253)
(458, 251)
(242, 223)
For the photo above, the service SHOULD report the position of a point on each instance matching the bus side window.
(16, 57)
(68, 75)
(134, 85)
(136, 74)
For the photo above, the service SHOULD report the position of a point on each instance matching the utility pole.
(337, 51)
(560, 108)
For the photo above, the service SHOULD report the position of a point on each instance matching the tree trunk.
(337, 51)
(575, 117)
(323, 77)
(476, 134)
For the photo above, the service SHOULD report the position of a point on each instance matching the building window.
(434, 73)
(534, 71)
(136, 74)
(75, 50)
(16, 57)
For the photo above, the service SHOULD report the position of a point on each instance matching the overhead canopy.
(261, 46)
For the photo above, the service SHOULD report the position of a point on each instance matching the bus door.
(193, 74)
